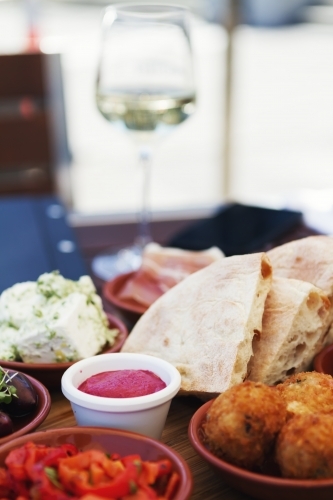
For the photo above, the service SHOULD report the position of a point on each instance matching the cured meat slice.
(162, 268)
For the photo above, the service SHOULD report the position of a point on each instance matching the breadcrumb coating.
(304, 447)
(307, 393)
(243, 422)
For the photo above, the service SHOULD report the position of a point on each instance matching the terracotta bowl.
(111, 441)
(130, 308)
(261, 486)
(50, 373)
(28, 423)
(323, 362)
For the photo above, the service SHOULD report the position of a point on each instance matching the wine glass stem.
(145, 161)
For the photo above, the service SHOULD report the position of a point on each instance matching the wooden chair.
(31, 136)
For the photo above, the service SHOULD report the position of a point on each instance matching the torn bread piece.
(293, 330)
(308, 259)
(205, 325)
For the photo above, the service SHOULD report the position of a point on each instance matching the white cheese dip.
(53, 320)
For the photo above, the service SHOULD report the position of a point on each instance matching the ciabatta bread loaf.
(205, 325)
(293, 330)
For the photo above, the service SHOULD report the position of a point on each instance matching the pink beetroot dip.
(122, 384)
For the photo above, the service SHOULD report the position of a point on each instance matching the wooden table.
(207, 484)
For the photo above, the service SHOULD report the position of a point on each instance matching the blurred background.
(262, 132)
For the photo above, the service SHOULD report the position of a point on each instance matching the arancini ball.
(307, 393)
(243, 422)
(304, 447)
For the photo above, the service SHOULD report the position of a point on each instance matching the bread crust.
(307, 259)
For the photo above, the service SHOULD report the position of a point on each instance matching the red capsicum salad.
(38, 472)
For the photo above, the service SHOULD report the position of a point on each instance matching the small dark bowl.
(255, 484)
(130, 308)
(50, 373)
(111, 441)
(28, 423)
(323, 362)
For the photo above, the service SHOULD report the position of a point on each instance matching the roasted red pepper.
(78, 481)
(36, 472)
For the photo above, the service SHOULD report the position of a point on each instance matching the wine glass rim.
(139, 9)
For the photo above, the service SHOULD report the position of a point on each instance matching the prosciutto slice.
(162, 268)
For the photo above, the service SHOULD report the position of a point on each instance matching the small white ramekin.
(143, 414)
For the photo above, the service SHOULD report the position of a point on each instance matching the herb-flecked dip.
(122, 384)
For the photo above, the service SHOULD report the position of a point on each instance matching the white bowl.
(143, 414)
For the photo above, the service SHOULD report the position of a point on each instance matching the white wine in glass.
(145, 87)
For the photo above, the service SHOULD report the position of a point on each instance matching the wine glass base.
(111, 264)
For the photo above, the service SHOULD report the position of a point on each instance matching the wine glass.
(145, 86)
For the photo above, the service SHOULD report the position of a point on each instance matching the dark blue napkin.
(36, 238)
(238, 229)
